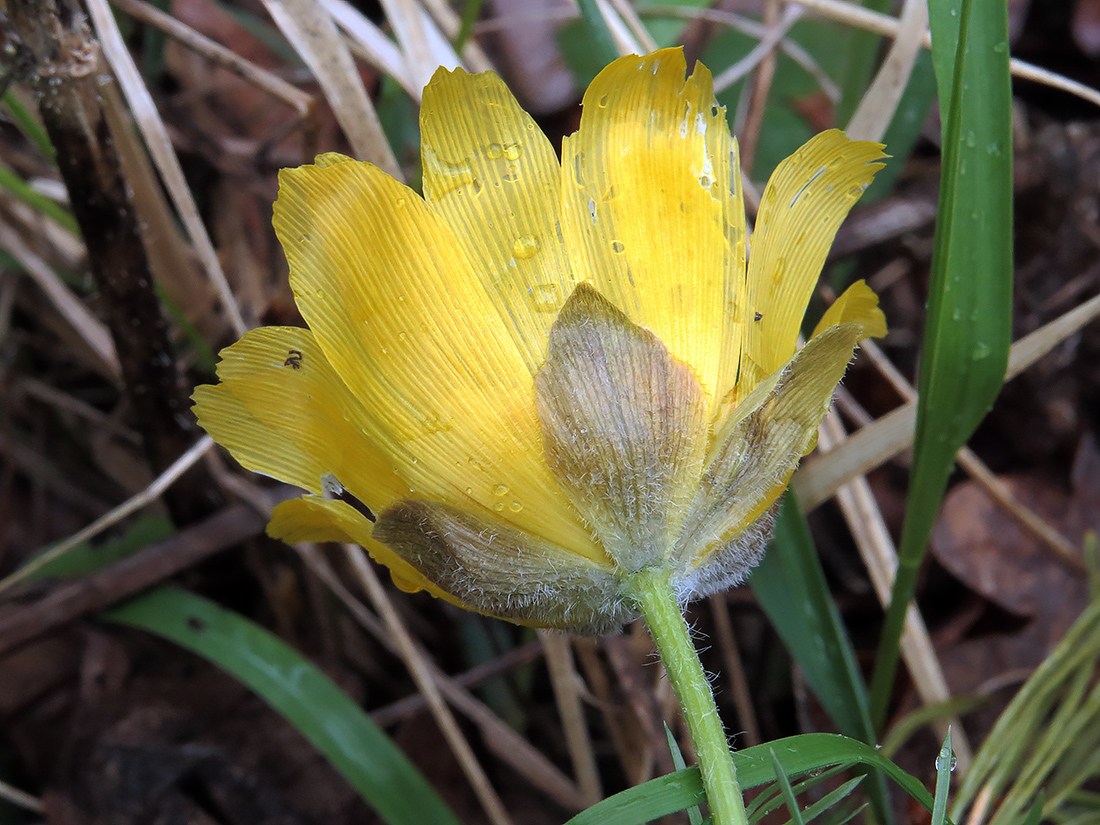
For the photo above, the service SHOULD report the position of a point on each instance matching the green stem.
(653, 596)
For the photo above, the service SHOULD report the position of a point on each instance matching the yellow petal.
(256, 446)
(804, 203)
(282, 411)
(858, 305)
(648, 211)
(492, 175)
(318, 519)
(755, 455)
(392, 301)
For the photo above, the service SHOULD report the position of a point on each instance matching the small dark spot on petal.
(759, 316)
(196, 624)
(293, 359)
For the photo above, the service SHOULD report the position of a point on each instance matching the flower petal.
(392, 301)
(501, 571)
(802, 207)
(857, 305)
(281, 410)
(756, 452)
(648, 211)
(492, 175)
(319, 519)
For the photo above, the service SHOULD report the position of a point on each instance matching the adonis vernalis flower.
(545, 376)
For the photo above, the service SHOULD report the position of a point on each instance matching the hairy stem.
(653, 596)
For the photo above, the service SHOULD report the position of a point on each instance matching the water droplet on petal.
(617, 247)
(499, 506)
(494, 151)
(515, 506)
(546, 297)
(512, 151)
(448, 176)
(525, 247)
(500, 490)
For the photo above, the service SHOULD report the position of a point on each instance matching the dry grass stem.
(734, 671)
(872, 21)
(752, 28)
(371, 44)
(819, 479)
(621, 34)
(760, 89)
(91, 330)
(630, 17)
(171, 259)
(976, 469)
(20, 798)
(876, 548)
(450, 24)
(423, 675)
(310, 29)
(164, 155)
(880, 102)
(566, 684)
(499, 737)
(424, 47)
(302, 103)
(772, 38)
(147, 496)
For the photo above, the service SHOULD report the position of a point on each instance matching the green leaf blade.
(298, 691)
(969, 325)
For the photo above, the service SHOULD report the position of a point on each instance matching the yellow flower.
(544, 376)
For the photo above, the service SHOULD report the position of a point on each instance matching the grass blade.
(785, 789)
(945, 764)
(301, 693)
(832, 798)
(797, 754)
(968, 330)
(695, 816)
(791, 574)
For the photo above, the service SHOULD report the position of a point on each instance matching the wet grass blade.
(968, 329)
(298, 691)
(945, 764)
